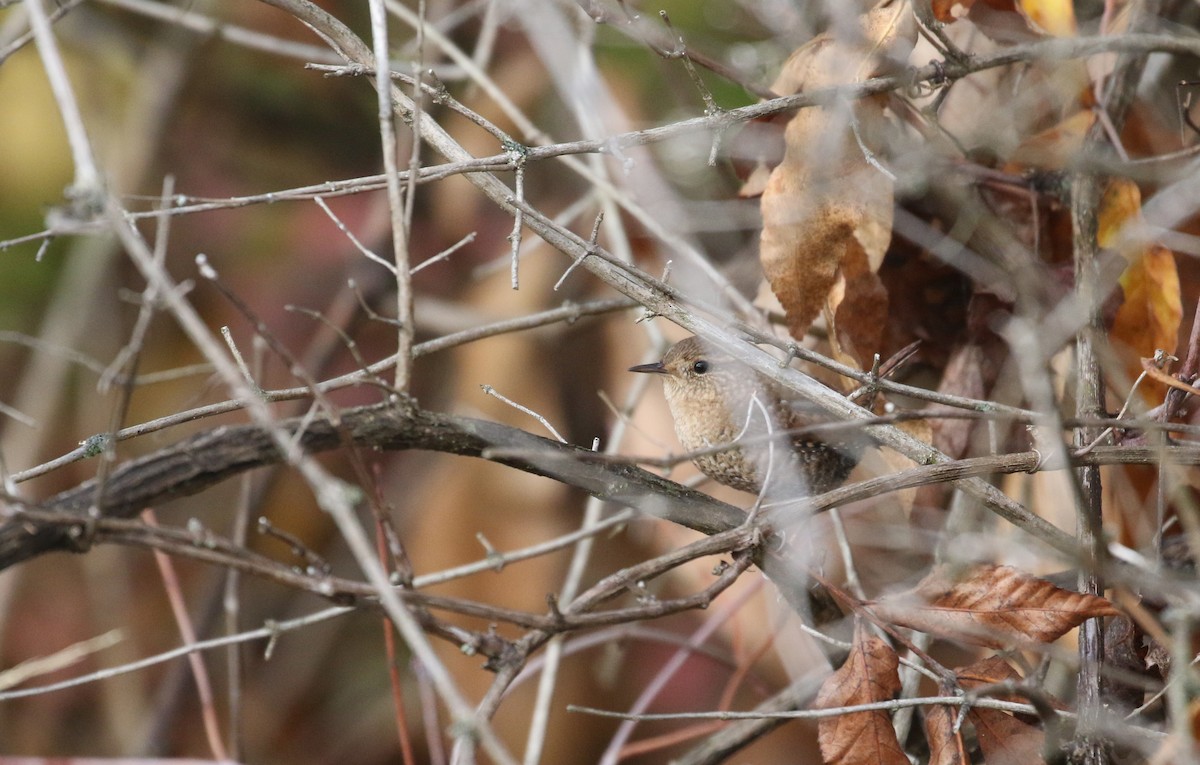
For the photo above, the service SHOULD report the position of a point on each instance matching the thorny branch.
(206, 459)
(938, 73)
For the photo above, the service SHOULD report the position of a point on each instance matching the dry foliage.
(868, 675)
(994, 606)
(348, 355)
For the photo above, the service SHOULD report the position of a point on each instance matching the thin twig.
(514, 239)
(187, 631)
(353, 239)
(396, 200)
(489, 390)
(86, 190)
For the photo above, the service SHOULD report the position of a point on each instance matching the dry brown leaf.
(827, 212)
(1002, 737)
(1054, 148)
(995, 606)
(869, 674)
(857, 309)
(945, 745)
(1002, 21)
(989, 671)
(1005, 740)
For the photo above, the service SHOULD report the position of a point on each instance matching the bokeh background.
(212, 102)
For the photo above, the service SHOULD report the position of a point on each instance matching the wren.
(717, 401)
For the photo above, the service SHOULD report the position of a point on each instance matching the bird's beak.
(655, 368)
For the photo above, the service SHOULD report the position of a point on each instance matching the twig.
(396, 201)
(817, 714)
(20, 41)
(371, 256)
(568, 312)
(580, 558)
(444, 254)
(591, 242)
(514, 239)
(189, 18)
(187, 631)
(1187, 373)
(271, 631)
(667, 670)
(710, 104)
(1053, 50)
(489, 390)
(57, 661)
(1090, 389)
(332, 495)
(87, 189)
(393, 663)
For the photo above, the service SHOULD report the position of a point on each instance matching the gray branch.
(206, 459)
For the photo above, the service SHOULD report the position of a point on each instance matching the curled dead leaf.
(945, 743)
(869, 674)
(827, 207)
(1003, 738)
(996, 606)
(1055, 147)
(1120, 204)
(989, 671)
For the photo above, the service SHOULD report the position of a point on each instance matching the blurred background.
(212, 103)
(216, 97)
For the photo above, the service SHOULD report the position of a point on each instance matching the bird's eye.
(700, 366)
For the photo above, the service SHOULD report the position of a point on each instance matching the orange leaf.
(1054, 148)
(995, 606)
(947, 11)
(1149, 318)
(869, 674)
(857, 310)
(1121, 204)
(1052, 17)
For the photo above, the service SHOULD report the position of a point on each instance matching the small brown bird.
(716, 400)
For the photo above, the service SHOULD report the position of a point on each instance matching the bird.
(717, 401)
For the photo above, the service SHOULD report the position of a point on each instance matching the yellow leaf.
(1149, 318)
(1122, 203)
(1053, 17)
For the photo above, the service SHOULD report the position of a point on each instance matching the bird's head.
(701, 373)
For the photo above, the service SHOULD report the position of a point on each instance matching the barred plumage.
(716, 401)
